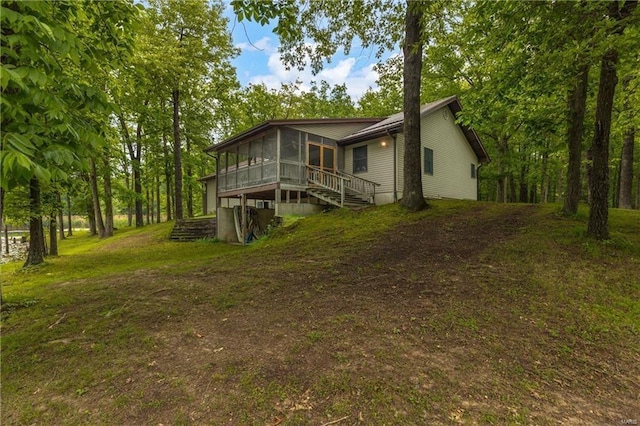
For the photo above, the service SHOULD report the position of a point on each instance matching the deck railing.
(359, 185)
(256, 174)
(328, 180)
(299, 173)
(292, 171)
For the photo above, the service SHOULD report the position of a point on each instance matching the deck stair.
(351, 198)
(340, 189)
(193, 229)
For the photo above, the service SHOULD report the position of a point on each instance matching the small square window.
(360, 159)
(473, 171)
(428, 161)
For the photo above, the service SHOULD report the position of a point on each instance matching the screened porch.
(281, 155)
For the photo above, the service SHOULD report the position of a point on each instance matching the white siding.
(211, 196)
(331, 131)
(452, 159)
(379, 163)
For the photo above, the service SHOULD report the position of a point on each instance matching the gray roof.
(394, 124)
(379, 127)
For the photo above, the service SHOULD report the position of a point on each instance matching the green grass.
(538, 324)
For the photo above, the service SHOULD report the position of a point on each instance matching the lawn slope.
(469, 313)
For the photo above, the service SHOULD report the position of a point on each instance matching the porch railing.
(292, 171)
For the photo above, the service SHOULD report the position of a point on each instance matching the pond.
(18, 247)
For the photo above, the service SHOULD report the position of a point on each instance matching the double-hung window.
(360, 159)
(428, 161)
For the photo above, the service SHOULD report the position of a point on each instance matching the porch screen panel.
(243, 155)
(269, 170)
(222, 162)
(269, 147)
(255, 151)
(290, 145)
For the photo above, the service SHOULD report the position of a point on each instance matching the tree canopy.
(109, 104)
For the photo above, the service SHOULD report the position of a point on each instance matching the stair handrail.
(328, 180)
(361, 185)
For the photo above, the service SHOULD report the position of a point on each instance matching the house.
(283, 167)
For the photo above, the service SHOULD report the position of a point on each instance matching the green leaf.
(41, 173)
(7, 75)
(9, 15)
(20, 143)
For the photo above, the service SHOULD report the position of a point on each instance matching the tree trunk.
(2, 220)
(544, 181)
(625, 199)
(167, 169)
(108, 196)
(96, 199)
(148, 202)
(158, 199)
(152, 203)
(60, 214)
(189, 171)
(615, 184)
(599, 183)
(137, 177)
(91, 215)
(127, 183)
(53, 233)
(35, 256)
(70, 233)
(638, 189)
(177, 153)
(599, 211)
(512, 188)
(576, 109)
(134, 155)
(413, 197)
(167, 177)
(524, 188)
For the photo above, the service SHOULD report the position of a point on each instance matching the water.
(18, 248)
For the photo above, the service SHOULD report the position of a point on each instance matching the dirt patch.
(409, 325)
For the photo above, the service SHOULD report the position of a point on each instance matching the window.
(321, 156)
(473, 171)
(360, 159)
(428, 161)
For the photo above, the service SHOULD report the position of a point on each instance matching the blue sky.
(260, 62)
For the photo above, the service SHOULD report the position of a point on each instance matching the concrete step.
(193, 229)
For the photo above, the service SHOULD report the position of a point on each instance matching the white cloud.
(345, 71)
(262, 45)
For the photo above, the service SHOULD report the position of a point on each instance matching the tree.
(626, 156)
(46, 47)
(196, 48)
(577, 100)
(599, 183)
(413, 198)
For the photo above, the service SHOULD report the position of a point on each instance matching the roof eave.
(369, 136)
(266, 125)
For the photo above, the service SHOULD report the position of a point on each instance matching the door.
(322, 156)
